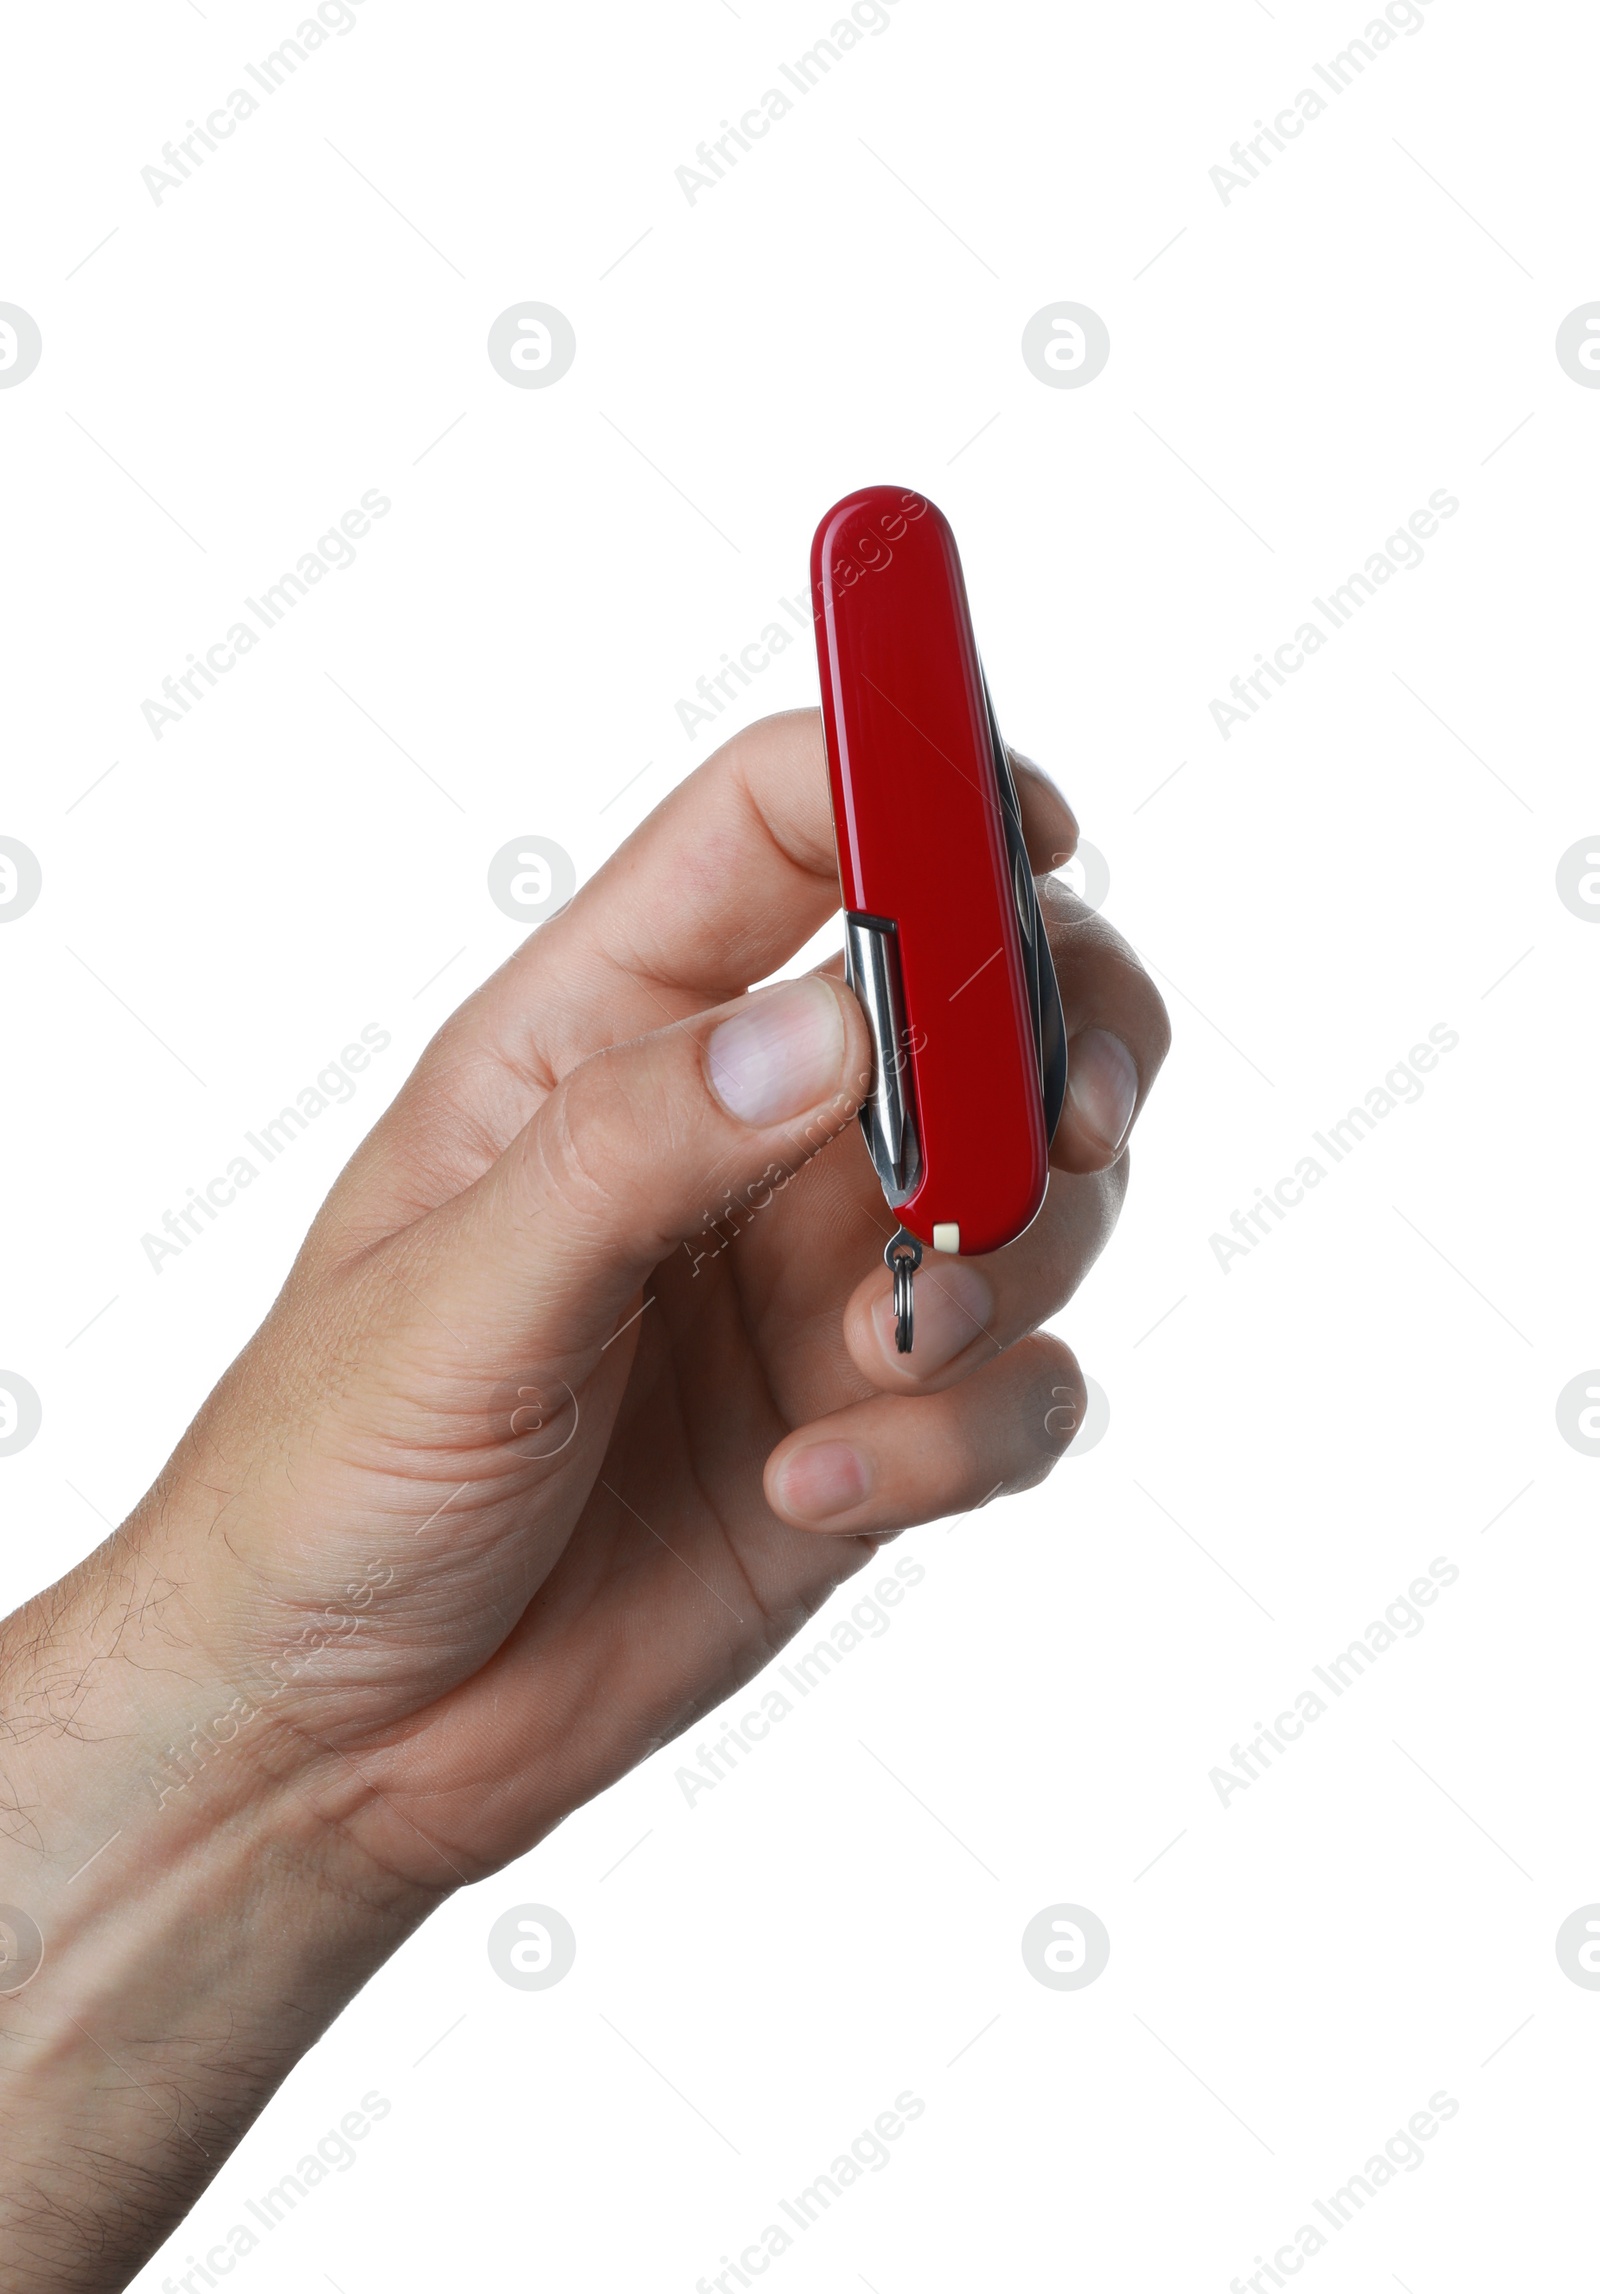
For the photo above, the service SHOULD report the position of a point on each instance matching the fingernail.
(780, 1055)
(954, 1305)
(1102, 1084)
(823, 1481)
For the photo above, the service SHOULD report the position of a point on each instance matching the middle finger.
(969, 1310)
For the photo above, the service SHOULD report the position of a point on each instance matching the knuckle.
(1052, 1399)
(587, 1136)
(1081, 1213)
(1087, 950)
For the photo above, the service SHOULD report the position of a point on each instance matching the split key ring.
(902, 1255)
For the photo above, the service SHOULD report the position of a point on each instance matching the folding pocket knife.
(944, 939)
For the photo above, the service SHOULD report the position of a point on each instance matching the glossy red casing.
(921, 843)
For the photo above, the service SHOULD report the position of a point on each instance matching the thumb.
(636, 1151)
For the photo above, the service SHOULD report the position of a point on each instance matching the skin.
(529, 1467)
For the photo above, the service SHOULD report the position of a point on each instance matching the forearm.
(204, 1916)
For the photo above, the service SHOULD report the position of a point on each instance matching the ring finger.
(884, 1464)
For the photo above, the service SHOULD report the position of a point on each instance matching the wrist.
(203, 1908)
(134, 1735)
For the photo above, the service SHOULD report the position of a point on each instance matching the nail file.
(944, 940)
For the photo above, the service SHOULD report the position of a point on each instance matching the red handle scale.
(929, 845)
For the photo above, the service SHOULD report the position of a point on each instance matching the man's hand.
(581, 1396)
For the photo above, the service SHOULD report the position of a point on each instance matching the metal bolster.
(888, 1114)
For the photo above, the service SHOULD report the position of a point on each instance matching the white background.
(1291, 1441)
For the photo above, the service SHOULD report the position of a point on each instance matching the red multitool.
(944, 940)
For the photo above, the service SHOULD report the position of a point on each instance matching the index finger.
(722, 883)
(720, 886)
(726, 879)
